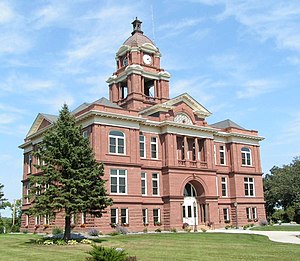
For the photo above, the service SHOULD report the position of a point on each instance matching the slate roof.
(226, 124)
(51, 118)
(138, 39)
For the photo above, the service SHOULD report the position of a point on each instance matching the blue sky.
(240, 59)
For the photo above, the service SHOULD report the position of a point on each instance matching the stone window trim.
(142, 146)
(117, 142)
(118, 181)
(224, 187)
(249, 187)
(246, 156)
(154, 148)
(155, 184)
(144, 183)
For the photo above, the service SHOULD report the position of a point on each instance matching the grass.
(277, 228)
(173, 246)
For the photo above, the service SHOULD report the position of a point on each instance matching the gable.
(41, 122)
(180, 102)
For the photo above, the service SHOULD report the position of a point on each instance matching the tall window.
(194, 151)
(249, 186)
(83, 218)
(156, 215)
(118, 181)
(182, 150)
(114, 216)
(155, 184)
(85, 134)
(144, 183)
(37, 220)
(248, 213)
(26, 220)
(145, 216)
(29, 163)
(124, 215)
(222, 155)
(246, 156)
(46, 220)
(254, 213)
(226, 214)
(142, 147)
(154, 152)
(215, 154)
(224, 186)
(116, 142)
(27, 192)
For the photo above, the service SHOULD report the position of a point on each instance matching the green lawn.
(277, 228)
(176, 246)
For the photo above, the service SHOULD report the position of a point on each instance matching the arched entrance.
(189, 206)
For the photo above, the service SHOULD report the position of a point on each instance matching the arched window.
(246, 156)
(189, 190)
(116, 142)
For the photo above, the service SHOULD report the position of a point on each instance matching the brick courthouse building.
(164, 164)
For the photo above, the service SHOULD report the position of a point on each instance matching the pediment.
(183, 99)
(41, 122)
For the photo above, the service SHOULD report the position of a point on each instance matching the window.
(38, 189)
(222, 155)
(37, 220)
(226, 214)
(155, 184)
(145, 216)
(246, 156)
(154, 154)
(249, 187)
(144, 183)
(182, 150)
(248, 213)
(156, 216)
(116, 142)
(85, 134)
(215, 154)
(118, 181)
(29, 163)
(114, 216)
(46, 220)
(27, 192)
(142, 147)
(224, 186)
(83, 218)
(194, 151)
(26, 220)
(124, 215)
(254, 213)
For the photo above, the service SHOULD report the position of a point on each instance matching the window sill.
(116, 154)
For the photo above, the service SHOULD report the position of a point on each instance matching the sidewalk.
(277, 236)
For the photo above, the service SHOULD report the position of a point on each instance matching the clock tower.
(138, 82)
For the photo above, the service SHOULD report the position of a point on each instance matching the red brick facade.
(164, 164)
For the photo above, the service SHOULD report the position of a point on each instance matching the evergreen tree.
(2, 199)
(71, 182)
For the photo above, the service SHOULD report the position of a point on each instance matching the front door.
(189, 211)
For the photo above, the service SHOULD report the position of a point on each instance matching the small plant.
(158, 230)
(57, 231)
(145, 230)
(82, 225)
(157, 224)
(227, 227)
(227, 221)
(60, 242)
(105, 253)
(115, 233)
(203, 230)
(46, 226)
(48, 242)
(93, 232)
(72, 242)
(86, 241)
(184, 225)
(25, 231)
(122, 230)
(263, 222)
(173, 229)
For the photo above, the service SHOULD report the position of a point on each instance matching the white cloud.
(256, 87)
(56, 101)
(6, 13)
(6, 118)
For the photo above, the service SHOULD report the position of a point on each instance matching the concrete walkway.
(277, 236)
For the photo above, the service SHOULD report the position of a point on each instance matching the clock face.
(147, 59)
(125, 61)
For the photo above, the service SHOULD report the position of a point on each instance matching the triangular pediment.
(171, 104)
(41, 121)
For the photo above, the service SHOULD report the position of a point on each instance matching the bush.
(93, 232)
(173, 229)
(263, 222)
(203, 230)
(100, 253)
(145, 230)
(158, 230)
(122, 230)
(57, 231)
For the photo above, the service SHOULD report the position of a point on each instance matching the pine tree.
(2, 199)
(71, 182)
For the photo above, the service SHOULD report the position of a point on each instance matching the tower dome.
(137, 37)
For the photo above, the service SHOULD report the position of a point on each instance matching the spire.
(137, 26)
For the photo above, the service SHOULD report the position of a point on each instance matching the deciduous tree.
(71, 180)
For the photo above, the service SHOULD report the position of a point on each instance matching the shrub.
(48, 242)
(203, 230)
(57, 231)
(60, 242)
(185, 225)
(263, 222)
(227, 227)
(173, 229)
(25, 231)
(72, 242)
(93, 232)
(86, 241)
(122, 230)
(115, 233)
(145, 230)
(100, 253)
(158, 230)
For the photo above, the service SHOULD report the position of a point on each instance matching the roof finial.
(137, 26)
